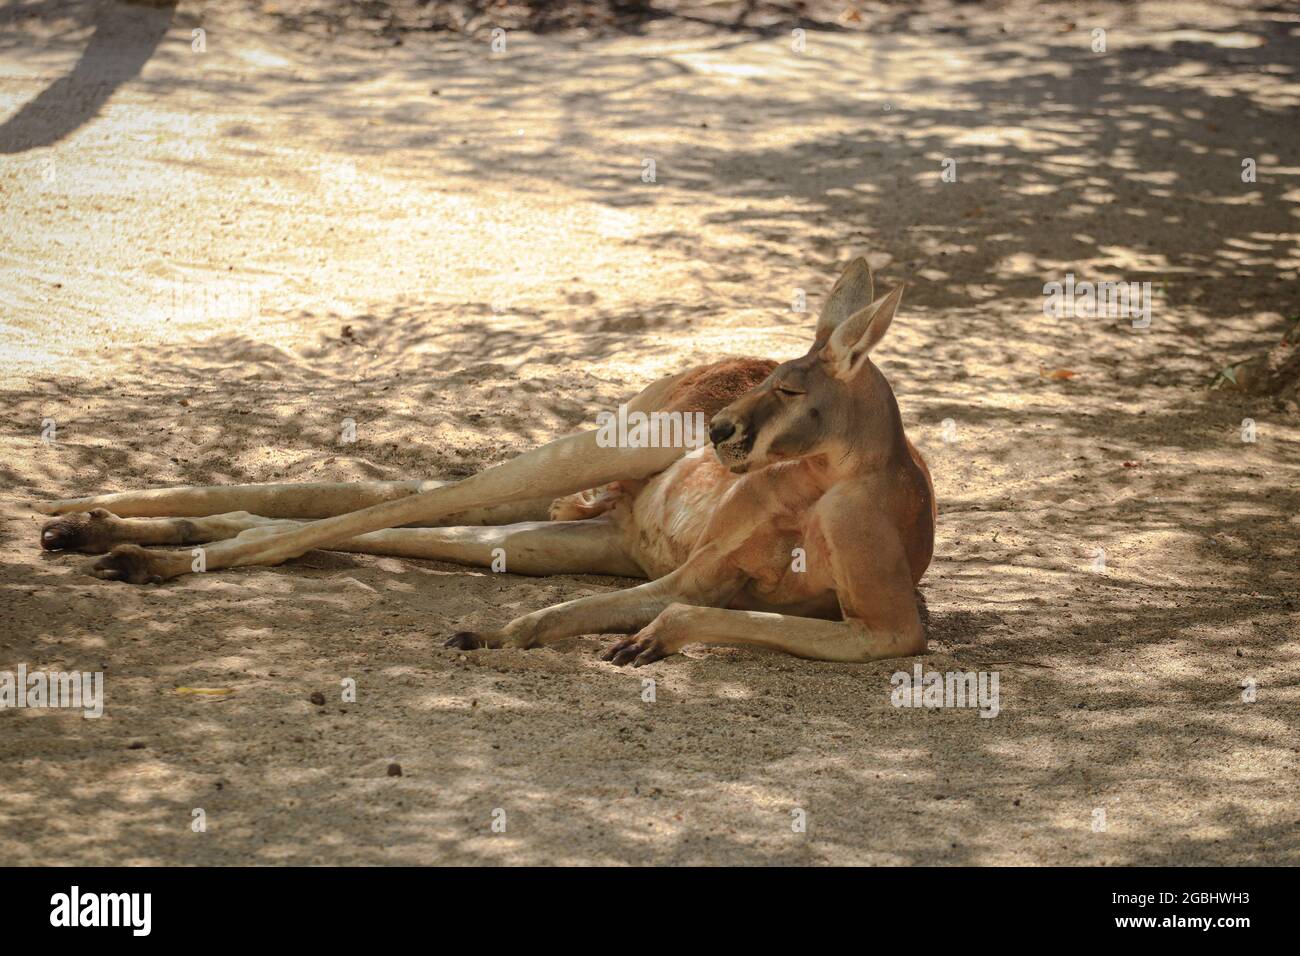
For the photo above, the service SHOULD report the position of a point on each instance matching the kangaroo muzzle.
(731, 442)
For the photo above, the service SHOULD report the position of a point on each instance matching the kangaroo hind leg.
(98, 531)
(593, 546)
(308, 499)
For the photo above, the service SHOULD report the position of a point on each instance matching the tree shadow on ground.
(125, 38)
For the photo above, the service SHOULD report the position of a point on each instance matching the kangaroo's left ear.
(851, 292)
(858, 334)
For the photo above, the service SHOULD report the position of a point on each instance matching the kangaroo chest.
(767, 530)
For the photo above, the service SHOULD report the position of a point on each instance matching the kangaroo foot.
(90, 532)
(136, 565)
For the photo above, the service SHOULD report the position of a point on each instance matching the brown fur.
(711, 388)
(706, 389)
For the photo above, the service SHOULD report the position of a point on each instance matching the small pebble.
(318, 699)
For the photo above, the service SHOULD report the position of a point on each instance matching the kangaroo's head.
(832, 402)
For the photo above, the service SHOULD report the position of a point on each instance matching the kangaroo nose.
(720, 431)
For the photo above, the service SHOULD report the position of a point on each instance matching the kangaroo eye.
(783, 390)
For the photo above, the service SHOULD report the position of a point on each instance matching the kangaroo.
(803, 527)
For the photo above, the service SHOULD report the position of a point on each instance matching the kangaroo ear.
(851, 292)
(858, 334)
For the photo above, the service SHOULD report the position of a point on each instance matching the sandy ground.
(211, 259)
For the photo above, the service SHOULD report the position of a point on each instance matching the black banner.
(337, 905)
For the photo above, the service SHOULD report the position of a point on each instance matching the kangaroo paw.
(470, 641)
(130, 563)
(90, 532)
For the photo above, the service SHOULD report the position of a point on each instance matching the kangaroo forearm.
(844, 641)
(621, 612)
